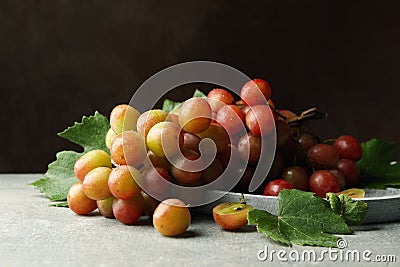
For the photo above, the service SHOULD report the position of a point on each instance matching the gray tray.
(383, 205)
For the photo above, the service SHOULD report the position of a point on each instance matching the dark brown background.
(62, 59)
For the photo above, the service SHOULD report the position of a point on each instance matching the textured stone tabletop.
(34, 234)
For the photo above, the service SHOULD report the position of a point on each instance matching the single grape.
(149, 119)
(191, 141)
(218, 97)
(231, 215)
(110, 136)
(180, 172)
(231, 117)
(105, 207)
(306, 141)
(195, 115)
(260, 120)
(95, 184)
(78, 202)
(323, 156)
(350, 172)
(322, 182)
(128, 211)
(123, 118)
(165, 139)
(171, 217)
(348, 148)
(275, 186)
(90, 161)
(128, 148)
(297, 176)
(218, 134)
(256, 92)
(250, 146)
(122, 182)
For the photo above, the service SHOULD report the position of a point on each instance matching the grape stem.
(242, 201)
(309, 114)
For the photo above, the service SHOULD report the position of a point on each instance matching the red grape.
(350, 172)
(306, 141)
(260, 120)
(249, 147)
(232, 118)
(322, 182)
(274, 187)
(256, 92)
(323, 156)
(297, 176)
(195, 115)
(348, 148)
(128, 211)
(218, 97)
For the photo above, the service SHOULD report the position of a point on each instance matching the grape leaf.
(378, 166)
(353, 212)
(198, 93)
(90, 134)
(303, 219)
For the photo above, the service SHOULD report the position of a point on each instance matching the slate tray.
(383, 205)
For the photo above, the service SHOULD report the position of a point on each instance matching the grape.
(218, 134)
(95, 184)
(128, 211)
(191, 141)
(322, 182)
(323, 156)
(122, 182)
(179, 172)
(256, 92)
(149, 119)
(123, 118)
(260, 120)
(348, 148)
(350, 172)
(78, 202)
(165, 139)
(274, 187)
(231, 118)
(297, 176)
(340, 178)
(231, 215)
(128, 148)
(105, 207)
(306, 141)
(282, 133)
(218, 97)
(250, 146)
(171, 217)
(150, 204)
(90, 161)
(195, 115)
(153, 181)
(110, 136)
(156, 161)
(173, 118)
(212, 172)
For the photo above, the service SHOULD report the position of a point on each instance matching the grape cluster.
(152, 150)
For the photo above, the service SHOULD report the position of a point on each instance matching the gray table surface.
(34, 234)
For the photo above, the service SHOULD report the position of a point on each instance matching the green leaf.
(198, 93)
(90, 134)
(63, 204)
(378, 166)
(268, 224)
(303, 219)
(169, 105)
(353, 212)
